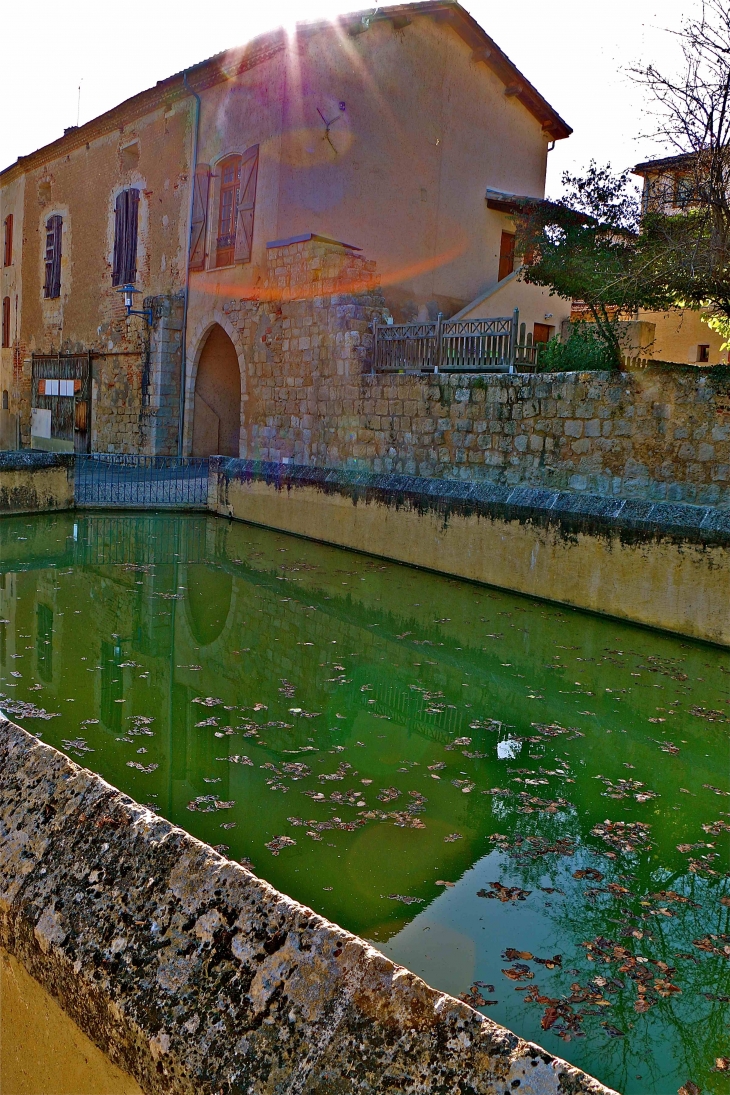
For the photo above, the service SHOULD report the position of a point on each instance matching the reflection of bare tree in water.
(681, 1033)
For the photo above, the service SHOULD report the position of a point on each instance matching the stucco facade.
(382, 131)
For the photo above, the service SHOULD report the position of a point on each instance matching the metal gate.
(124, 481)
(61, 402)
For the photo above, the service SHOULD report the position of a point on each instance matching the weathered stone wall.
(303, 345)
(193, 975)
(36, 482)
(136, 394)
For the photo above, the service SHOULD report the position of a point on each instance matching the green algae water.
(526, 805)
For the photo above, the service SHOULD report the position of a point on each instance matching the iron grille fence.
(472, 345)
(144, 540)
(121, 480)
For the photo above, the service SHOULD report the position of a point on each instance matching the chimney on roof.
(69, 129)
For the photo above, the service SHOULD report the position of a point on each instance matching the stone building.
(267, 204)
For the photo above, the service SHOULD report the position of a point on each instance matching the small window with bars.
(126, 215)
(54, 234)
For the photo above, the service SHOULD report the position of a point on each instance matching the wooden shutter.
(506, 255)
(201, 184)
(6, 322)
(54, 236)
(246, 204)
(8, 248)
(126, 211)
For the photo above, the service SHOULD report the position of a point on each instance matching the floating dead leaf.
(404, 898)
(279, 842)
(510, 954)
(452, 837)
(690, 1088)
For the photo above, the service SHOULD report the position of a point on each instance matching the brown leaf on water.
(519, 974)
(589, 872)
(690, 1088)
(642, 1005)
(725, 901)
(722, 1064)
(510, 954)
(440, 882)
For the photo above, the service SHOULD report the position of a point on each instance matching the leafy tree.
(589, 246)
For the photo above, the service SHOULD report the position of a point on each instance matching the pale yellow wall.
(678, 335)
(42, 1051)
(682, 588)
(424, 132)
(535, 304)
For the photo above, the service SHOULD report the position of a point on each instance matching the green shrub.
(584, 350)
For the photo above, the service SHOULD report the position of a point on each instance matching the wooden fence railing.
(448, 345)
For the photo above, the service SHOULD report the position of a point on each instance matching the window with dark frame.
(506, 255)
(126, 215)
(703, 354)
(230, 173)
(8, 240)
(54, 234)
(6, 322)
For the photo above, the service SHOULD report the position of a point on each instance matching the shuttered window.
(230, 174)
(6, 321)
(54, 234)
(8, 240)
(246, 205)
(236, 205)
(201, 184)
(126, 212)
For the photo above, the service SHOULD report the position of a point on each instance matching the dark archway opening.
(217, 413)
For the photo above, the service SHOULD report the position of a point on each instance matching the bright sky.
(574, 52)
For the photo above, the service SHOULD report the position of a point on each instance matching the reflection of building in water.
(112, 685)
(44, 642)
(8, 590)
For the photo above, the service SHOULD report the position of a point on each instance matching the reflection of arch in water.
(208, 602)
(215, 391)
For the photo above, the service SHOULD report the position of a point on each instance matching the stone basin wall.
(36, 482)
(194, 976)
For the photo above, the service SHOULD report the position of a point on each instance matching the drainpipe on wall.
(184, 339)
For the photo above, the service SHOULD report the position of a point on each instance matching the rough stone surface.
(661, 434)
(196, 976)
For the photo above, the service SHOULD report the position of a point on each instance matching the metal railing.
(469, 345)
(120, 480)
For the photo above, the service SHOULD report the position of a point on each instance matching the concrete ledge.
(654, 563)
(35, 482)
(195, 976)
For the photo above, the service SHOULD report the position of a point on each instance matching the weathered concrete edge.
(633, 520)
(36, 482)
(195, 976)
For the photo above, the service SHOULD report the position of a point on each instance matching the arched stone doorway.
(217, 410)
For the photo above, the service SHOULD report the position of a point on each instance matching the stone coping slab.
(33, 459)
(633, 519)
(195, 976)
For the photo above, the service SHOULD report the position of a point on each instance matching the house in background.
(383, 132)
(679, 335)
